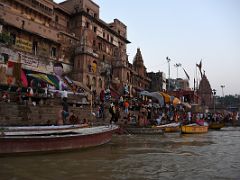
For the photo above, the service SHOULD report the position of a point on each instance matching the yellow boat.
(216, 125)
(194, 129)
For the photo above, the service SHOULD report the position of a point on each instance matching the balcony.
(17, 20)
(43, 9)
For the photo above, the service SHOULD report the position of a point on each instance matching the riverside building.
(35, 34)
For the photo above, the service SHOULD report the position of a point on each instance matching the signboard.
(36, 64)
(29, 61)
(23, 44)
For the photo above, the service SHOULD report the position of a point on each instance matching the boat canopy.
(163, 98)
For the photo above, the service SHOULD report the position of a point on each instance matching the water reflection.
(214, 155)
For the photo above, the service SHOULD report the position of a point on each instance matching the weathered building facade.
(158, 81)
(35, 34)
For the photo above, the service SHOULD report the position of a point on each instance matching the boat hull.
(172, 129)
(216, 126)
(168, 128)
(136, 130)
(84, 138)
(185, 129)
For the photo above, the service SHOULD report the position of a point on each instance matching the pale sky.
(186, 31)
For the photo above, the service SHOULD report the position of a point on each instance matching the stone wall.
(12, 114)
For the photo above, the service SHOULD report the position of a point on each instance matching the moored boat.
(38, 130)
(216, 125)
(194, 129)
(74, 139)
(144, 130)
(172, 127)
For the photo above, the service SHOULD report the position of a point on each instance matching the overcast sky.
(186, 31)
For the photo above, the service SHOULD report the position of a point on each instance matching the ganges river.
(215, 155)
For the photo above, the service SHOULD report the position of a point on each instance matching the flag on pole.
(200, 67)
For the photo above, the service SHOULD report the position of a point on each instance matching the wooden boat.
(63, 140)
(194, 129)
(144, 130)
(172, 127)
(216, 125)
(38, 130)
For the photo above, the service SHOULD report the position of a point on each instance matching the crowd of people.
(137, 110)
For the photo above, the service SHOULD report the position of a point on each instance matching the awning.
(167, 98)
(54, 79)
(42, 77)
(176, 101)
(155, 95)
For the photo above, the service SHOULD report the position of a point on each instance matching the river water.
(215, 155)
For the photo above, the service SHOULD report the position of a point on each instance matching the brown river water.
(215, 155)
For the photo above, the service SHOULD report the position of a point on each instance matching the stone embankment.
(14, 114)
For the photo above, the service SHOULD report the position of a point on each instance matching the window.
(12, 38)
(100, 83)
(87, 24)
(99, 46)
(88, 82)
(56, 19)
(94, 82)
(95, 29)
(53, 52)
(35, 47)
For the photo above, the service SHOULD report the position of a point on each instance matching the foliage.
(6, 38)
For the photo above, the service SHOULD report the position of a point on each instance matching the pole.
(177, 65)
(214, 93)
(222, 86)
(168, 60)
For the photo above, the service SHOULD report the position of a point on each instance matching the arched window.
(100, 83)
(94, 82)
(128, 77)
(88, 81)
(94, 66)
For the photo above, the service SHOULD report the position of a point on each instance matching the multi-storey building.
(35, 34)
(158, 81)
